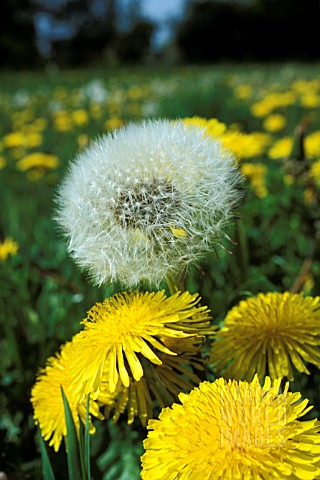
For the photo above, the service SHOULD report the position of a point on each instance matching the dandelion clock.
(143, 202)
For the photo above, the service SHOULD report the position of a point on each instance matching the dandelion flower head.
(144, 201)
(271, 333)
(233, 430)
(128, 332)
(47, 401)
(159, 387)
(8, 247)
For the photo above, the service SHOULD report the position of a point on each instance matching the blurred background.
(70, 33)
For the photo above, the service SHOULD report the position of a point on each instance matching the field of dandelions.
(268, 117)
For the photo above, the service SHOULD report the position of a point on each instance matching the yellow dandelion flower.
(161, 384)
(213, 127)
(275, 122)
(26, 138)
(47, 400)
(62, 121)
(8, 247)
(315, 172)
(80, 117)
(246, 145)
(243, 145)
(312, 144)
(82, 140)
(261, 109)
(135, 93)
(233, 430)
(13, 140)
(273, 331)
(32, 139)
(256, 173)
(281, 149)
(272, 101)
(243, 91)
(127, 329)
(37, 160)
(3, 163)
(310, 99)
(113, 123)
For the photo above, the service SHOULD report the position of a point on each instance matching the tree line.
(209, 30)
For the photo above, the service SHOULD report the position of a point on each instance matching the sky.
(163, 13)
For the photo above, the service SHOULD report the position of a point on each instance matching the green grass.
(43, 294)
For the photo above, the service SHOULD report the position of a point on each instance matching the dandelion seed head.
(128, 194)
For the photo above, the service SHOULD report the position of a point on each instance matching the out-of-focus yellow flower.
(256, 173)
(22, 139)
(62, 121)
(113, 122)
(310, 100)
(243, 91)
(135, 93)
(260, 109)
(312, 144)
(2, 163)
(309, 195)
(38, 160)
(275, 122)
(95, 110)
(82, 140)
(308, 284)
(288, 179)
(282, 148)
(80, 117)
(305, 86)
(13, 139)
(272, 101)
(33, 139)
(213, 127)
(243, 145)
(8, 247)
(315, 172)
(60, 93)
(246, 145)
(40, 123)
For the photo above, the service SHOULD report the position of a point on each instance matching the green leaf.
(84, 444)
(87, 440)
(74, 463)
(46, 465)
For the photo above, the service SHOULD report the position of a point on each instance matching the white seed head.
(146, 200)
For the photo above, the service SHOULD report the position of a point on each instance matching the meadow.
(271, 121)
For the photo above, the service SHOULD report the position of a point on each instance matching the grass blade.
(74, 464)
(46, 465)
(87, 440)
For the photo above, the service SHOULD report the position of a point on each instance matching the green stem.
(177, 282)
(242, 251)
